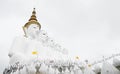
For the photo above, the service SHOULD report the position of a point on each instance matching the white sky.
(87, 28)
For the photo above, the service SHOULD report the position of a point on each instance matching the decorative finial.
(33, 17)
(34, 12)
(34, 9)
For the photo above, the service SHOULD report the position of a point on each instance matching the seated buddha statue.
(35, 44)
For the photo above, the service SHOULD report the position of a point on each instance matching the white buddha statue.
(34, 44)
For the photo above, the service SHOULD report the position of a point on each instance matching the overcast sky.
(87, 28)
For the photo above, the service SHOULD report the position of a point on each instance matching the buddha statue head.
(32, 27)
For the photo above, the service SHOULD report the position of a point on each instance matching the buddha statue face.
(32, 30)
(32, 27)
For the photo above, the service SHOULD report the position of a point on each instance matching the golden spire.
(32, 20)
(33, 17)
